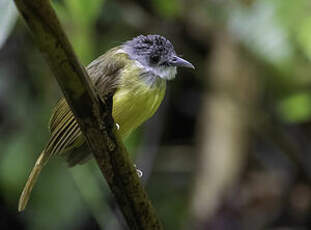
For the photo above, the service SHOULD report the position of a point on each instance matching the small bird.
(136, 73)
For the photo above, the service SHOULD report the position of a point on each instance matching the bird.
(136, 73)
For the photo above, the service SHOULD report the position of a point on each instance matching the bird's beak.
(180, 62)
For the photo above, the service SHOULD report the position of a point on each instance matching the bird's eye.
(154, 59)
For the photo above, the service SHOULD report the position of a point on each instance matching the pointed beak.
(179, 62)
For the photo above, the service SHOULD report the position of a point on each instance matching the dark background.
(229, 147)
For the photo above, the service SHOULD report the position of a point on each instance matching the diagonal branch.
(92, 114)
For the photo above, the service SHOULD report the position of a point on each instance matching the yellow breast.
(136, 100)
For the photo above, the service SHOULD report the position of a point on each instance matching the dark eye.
(154, 59)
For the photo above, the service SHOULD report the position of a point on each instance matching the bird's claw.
(138, 171)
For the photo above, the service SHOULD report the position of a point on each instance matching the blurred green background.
(229, 147)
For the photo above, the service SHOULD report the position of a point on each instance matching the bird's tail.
(32, 179)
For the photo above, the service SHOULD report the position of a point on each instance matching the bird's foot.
(138, 171)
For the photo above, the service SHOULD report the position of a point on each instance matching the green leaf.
(296, 108)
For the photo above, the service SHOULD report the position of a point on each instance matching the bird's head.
(156, 54)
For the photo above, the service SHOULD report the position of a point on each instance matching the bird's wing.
(64, 129)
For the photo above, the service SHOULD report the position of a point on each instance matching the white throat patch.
(164, 72)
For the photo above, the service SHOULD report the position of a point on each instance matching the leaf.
(296, 108)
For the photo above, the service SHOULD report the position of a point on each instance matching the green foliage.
(80, 18)
(296, 108)
(304, 36)
(84, 13)
(167, 9)
(295, 17)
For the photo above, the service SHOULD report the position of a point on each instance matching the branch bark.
(92, 114)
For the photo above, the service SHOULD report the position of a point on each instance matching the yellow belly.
(134, 105)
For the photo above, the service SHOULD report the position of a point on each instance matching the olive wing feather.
(65, 133)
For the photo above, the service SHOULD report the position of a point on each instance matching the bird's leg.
(138, 171)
